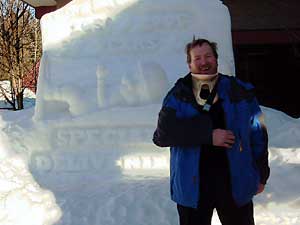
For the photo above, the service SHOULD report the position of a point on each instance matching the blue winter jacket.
(184, 127)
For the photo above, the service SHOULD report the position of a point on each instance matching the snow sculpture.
(104, 54)
(106, 66)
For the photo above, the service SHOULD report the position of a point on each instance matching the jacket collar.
(223, 86)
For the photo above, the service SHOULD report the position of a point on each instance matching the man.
(219, 155)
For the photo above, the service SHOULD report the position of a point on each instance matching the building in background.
(266, 43)
(45, 6)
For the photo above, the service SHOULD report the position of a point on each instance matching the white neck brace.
(203, 79)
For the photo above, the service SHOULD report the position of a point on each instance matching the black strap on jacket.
(211, 97)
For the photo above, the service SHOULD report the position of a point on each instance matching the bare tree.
(20, 49)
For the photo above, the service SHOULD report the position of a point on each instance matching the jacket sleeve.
(259, 142)
(174, 131)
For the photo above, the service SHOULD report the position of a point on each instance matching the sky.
(81, 152)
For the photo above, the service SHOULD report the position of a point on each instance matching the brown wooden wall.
(266, 42)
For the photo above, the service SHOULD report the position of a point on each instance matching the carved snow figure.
(148, 85)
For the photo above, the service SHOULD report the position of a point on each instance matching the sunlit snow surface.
(84, 155)
(22, 201)
(103, 187)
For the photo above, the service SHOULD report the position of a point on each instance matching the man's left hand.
(261, 188)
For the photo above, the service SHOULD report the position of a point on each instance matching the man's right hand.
(223, 138)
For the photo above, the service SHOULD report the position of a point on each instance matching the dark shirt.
(214, 167)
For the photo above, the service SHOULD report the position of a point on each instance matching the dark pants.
(229, 214)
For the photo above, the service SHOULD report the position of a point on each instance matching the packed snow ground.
(130, 194)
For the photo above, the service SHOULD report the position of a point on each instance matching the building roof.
(39, 3)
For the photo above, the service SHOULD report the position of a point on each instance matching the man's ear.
(189, 65)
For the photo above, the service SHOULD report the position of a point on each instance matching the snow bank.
(22, 200)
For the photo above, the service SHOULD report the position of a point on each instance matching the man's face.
(203, 60)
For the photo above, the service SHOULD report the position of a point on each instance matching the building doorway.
(275, 71)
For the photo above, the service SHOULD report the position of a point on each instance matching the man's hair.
(199, 42)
